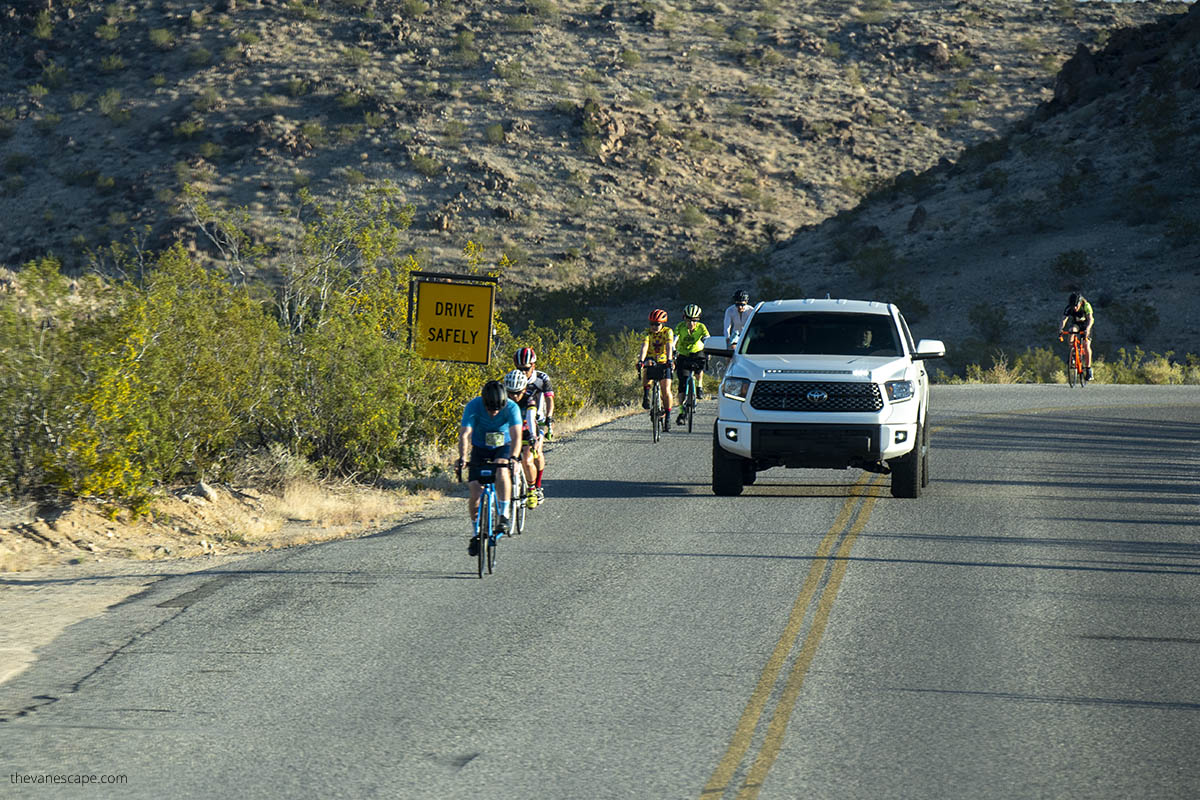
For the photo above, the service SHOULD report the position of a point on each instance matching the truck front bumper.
(802, 445)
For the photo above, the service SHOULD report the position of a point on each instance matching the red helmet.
(658, 315)
(525, 357)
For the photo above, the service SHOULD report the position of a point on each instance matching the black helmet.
(741, 296)
(493, 395)
(1073, 300)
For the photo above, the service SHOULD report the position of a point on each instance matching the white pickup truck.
(826, 384)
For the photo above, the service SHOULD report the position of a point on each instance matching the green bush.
(111, 389)
(990, 320)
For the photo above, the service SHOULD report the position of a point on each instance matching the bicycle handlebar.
(494, 465)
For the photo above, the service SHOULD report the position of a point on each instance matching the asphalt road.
(1029, 628)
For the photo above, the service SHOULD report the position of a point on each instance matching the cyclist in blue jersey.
(491, 423)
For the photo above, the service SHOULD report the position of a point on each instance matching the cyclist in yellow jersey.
(658, 350)
(689, 352)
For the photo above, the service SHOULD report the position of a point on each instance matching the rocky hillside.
(1097, 189)
(582, 138)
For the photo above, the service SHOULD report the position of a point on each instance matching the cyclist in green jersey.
(1078, 317)
(689, 351)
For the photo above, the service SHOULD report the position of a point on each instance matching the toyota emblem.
(816, 396)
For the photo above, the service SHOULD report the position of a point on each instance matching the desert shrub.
(43, 25)
(198, 57)
(909, 301)
(874, 262)
(990, 320)
(1041, 365)
(162, 38)
(999, 372)
(494, 133)
(1133, 318)
(1138, 367)
(427, 165)
(1071, 266)
(692, 217)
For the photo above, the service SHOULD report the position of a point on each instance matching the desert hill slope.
(584, 139)
(1096, 190)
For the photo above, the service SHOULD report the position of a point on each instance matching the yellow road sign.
(454, 321)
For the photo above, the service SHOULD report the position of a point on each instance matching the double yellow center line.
(845, 529)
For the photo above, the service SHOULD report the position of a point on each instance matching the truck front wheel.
(727, 475)
(906, 470)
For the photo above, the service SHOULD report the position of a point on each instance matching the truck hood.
(818, 368)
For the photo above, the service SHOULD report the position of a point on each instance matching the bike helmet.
(691, 311)
(493, 395)
(658, 315)
(741, 296)
(525, 357)
(515, 381)
(1073, 300)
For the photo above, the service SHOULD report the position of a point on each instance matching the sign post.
(451, 318)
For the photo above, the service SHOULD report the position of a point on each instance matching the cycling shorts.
(484, 455)
(695, 362)
(657, 372)
(1075, 328)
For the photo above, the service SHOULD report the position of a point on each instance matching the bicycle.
(689, 399)
(656, 412)
(487, 516)
(1076, 372)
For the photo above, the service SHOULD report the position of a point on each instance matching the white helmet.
(515, 382)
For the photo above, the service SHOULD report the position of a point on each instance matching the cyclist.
(492, 425)
(658, 349)
(526, 361)
(1078, 318)
(736, 315)
(528, 398)
(689, 352)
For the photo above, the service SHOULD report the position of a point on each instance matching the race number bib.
(494, 439)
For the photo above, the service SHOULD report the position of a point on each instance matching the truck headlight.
(735, 388)
(899, 390)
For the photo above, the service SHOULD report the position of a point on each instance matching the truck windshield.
(818, 333)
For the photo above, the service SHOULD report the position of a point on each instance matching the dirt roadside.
(75, 564)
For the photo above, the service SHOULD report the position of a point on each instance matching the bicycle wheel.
(655, 413)
(483, 525)
(491, 539)
(520, 490)
(690, 402)
(1071, 367)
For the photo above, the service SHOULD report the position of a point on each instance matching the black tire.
(691, 401)
(925, 455)
(519, 491)
(906, 472)
(485, 523)
(1071, 371)
(655, 414)
(491, 555)
(749, 473)
(727, 475)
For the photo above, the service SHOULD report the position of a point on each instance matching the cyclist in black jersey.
(1078, 317)
(525, 359)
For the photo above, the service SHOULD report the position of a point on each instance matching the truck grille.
(815, 396)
